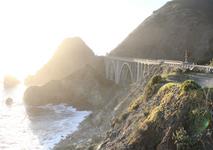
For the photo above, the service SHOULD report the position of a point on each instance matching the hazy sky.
(31, 30)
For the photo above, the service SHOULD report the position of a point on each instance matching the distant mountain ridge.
(71, 55)
(179, 26)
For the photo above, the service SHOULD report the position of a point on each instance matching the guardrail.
(162, 61)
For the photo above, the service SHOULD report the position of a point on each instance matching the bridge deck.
(159, 61)
(120, 68)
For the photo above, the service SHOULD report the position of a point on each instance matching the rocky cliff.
(165, 113)
(84, 89)
(179, 26)
(92, 131)
(71, 55)
(167, 116)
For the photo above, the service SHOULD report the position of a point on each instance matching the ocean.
(41, 131)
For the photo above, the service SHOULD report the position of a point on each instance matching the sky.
(31, 30)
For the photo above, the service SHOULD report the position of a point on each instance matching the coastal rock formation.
(84, 89)
(93, 130)
(9, 101)
(177, 27)
(172, 111)
(71, 55)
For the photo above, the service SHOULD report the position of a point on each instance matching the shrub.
(181, 139)
(156, 79)
(167, 87)
(124, 116)
(134, 105)
(152, 86)
(189, 85)
(189, 136)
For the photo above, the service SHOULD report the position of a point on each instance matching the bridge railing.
(162, 61)
(150, 61)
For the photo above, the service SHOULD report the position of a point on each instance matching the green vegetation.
(181, 138)
(177, 114)
(155, 115)
(211, 63)
(155, 80)
(190, 137)
(152, 87)
(189, 85)
(167, 87)
(135, 104)
(183, 104)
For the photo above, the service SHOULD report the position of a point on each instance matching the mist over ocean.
(41, 131)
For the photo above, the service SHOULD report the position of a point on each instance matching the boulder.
(9, 101)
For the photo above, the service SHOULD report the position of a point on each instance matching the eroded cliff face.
(178, 26)
(71, 55)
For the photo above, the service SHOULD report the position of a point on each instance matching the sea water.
(41, 131)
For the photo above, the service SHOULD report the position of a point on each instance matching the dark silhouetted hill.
(84, 89)
(71, 55)
(178, 26)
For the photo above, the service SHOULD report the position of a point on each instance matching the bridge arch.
(112, 70)
(125, 74)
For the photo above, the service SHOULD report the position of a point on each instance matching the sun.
(30, 31)
(23, 62)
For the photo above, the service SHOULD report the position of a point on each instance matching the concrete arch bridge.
(132, 70)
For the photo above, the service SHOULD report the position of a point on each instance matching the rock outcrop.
(163, 111)
(177, 27)
(71, 55)
(84, 89)
(167, 116)
(9, 101)
(92, 130)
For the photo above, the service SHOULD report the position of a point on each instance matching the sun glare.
(30, 31)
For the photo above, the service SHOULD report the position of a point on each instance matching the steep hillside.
(92, 130)
(178, 26)
(71, 55)
(84, 89)
(164, 113)
(167, 116)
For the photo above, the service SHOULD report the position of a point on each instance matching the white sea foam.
(18, 131)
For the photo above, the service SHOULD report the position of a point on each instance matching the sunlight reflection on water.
(38, 132)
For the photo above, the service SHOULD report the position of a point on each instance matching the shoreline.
(70, 134)
(62, 120)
